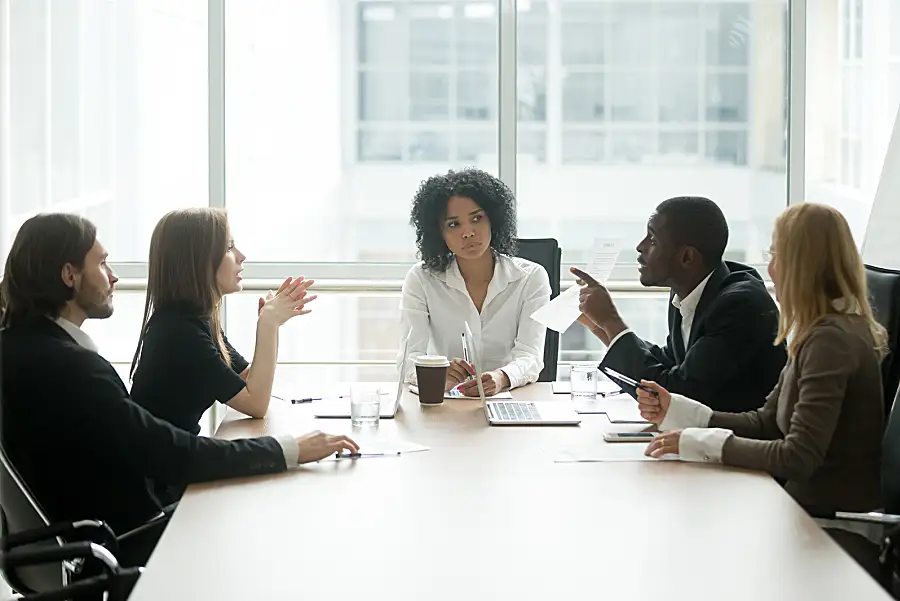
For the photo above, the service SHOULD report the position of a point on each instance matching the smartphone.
(626, 380)
(629, 436)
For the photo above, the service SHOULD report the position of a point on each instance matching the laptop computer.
(519, 413)
(389, 406)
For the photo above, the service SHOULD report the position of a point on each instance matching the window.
(105, 114)
(655, 99)
(852, 74)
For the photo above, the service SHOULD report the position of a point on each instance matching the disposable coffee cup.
(431, 372)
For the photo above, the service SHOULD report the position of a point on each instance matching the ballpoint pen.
(306, 400)
(361, 455)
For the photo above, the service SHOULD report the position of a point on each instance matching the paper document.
(456, 394)
(623, 409)
(563, 310)
(606, 451)
(381, 448)
(604, 387)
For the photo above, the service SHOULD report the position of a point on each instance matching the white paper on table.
(607, 451)
(383, 448)
(623, 409)
(454, 393)
(604, 387)
(563, 310)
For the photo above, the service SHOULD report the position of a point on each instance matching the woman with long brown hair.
(184, 362)
(820, 428)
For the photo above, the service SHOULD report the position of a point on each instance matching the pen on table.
(360, 455)
(306, 400)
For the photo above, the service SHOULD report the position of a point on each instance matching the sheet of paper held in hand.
(562, 311)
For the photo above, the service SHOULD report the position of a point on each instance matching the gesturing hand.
(290, 301)
(315, 446)
(653, 407)
(594, 300)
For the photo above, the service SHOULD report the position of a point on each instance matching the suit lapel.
(709, 294)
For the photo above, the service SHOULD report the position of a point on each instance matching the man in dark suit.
(81, 445)
(722, 320)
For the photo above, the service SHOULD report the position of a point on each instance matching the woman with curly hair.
(465, 225)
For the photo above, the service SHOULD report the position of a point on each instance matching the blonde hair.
(186, 249)
(818, 263)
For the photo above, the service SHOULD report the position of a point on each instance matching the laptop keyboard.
(515, 411)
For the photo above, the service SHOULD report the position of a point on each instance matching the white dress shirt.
(687, 308)
(435, 306)
(289, 445)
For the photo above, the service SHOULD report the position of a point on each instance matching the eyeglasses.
(768, 255)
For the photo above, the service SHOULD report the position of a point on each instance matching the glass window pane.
(532, 94)
(633, 34)
(98, 93)
(632, 147)
(430, 33)
(531, 38)
(382, 35)
(632, 96)
(584, 146)
(679, 96)
(727, 147)
(678, 143)
(583, 97)
(380, 146)
(429, 146)
(381, 96)
(337, 133)
(677, 41)
(532, 146)
(584, 31)
(476, 146)
(476, 95)
(728, 32)
(429, 96)
(726, 97)
(476, 39)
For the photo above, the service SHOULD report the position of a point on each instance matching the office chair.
(546, 253)
(888, 522)
(884, 294)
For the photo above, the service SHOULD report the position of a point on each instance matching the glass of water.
(365, 406)
(583, 382)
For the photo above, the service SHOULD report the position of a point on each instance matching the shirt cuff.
(619, 335)
(685, 413)
(290, 448)
(702, 445)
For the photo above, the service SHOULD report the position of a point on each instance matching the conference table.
(486, 513)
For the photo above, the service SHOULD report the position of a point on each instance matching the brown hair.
(32, 282)
(818, 263)
(186, 250)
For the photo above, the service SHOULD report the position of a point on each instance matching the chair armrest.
(156, 522)
(17, 558)
(872, 517)
(91, 588)
(64, 530)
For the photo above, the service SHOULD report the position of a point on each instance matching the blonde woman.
(820, 428)
(184, 362)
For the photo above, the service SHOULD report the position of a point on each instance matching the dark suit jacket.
(85, 449)
(730, 362)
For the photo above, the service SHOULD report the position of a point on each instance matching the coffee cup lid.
(432, 361)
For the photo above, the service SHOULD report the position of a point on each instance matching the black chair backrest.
(884, 295)
(890, 462)
(546, 253)
(19, 512)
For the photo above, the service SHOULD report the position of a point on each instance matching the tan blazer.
(820, 429)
